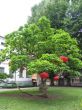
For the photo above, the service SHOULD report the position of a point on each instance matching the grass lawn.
(64, 98)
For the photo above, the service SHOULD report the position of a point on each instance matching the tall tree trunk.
(52, 82)
(43, 88)
(51, 78)
(68, 82)
(61, 82)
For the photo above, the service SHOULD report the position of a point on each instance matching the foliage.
(3, 76)
(53, 9)
(42, 46)
(19, 61)
(41, 66)
(62, 14)
(23, 43)
(53, 58)
(59, 44)
(63, 44)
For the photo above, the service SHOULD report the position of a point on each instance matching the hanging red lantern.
(64, 59)
(44, 75)
(56, 78)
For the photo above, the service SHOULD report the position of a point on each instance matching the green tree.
(54, 10)
(30, 42)
(62, 14)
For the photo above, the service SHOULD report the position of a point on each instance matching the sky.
(14, 13)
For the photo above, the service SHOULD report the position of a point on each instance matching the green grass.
(64, 99)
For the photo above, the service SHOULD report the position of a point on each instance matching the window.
(1, 70)
(2, 43)
(1, 49)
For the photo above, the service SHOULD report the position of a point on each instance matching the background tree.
(54, 10)
(65, 14)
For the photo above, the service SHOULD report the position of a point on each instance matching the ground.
(60, 98)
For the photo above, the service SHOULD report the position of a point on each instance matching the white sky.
(14, 13)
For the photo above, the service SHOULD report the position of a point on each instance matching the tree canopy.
(65, 14)
(39, 42)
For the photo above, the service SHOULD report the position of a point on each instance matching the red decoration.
(44, 75)
(64, 59)
(56, 78)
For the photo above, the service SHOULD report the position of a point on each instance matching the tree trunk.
(68, 82)
(43, 88)
(61, 82)
(52, 82)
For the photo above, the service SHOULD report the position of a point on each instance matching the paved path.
(12, 89)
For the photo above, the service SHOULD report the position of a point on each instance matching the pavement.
(12, 89)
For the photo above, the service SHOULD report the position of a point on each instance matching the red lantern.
(56, 78)
(44, 75)
(64, 59)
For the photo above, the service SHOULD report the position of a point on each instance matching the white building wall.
(16, 75)
(5, 66)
